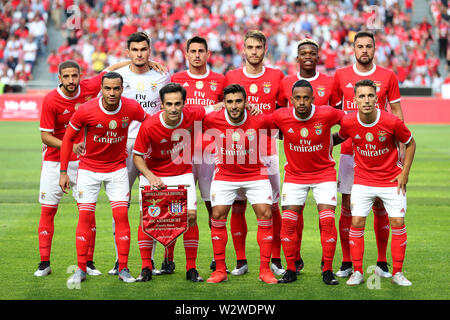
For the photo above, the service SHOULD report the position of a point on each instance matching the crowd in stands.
(95, 33)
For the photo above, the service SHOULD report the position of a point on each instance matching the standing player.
(162, 154)
(57, 108)
(204, 87)
(309, 165)
(388, 92)
(262, 87)
(239, 170)
(378, 174)
(142, 84)
(105, 122)
(307, 58)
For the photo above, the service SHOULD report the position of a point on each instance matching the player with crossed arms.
(105, 122)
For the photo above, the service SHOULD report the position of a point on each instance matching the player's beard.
(71, 88)
(365, 62)
(233, 116)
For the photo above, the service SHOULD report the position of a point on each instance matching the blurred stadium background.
(36, 35)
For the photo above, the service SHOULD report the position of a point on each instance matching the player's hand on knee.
(64, 181)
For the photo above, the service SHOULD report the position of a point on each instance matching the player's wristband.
(63, 171)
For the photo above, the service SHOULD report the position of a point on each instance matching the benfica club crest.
(125, 122)
(321, 91)
(176, 207)
(213, 85)
(378, 84)
(382, 136)
(318, 128)
(267, 86)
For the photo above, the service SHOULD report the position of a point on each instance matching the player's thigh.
(346, 174)
(184, 179)
(203, 174)
(325, 193)
(272, 164)
(294, 194)
(223, 193)
(49, 190)
(362, 198)
(394, 203)
(88, 186)
(133, 172)
(117, 185)
(258, 191)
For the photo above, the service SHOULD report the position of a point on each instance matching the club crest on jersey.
(318, 128)
(80, 194)
(112, 124)
(253, 88)
(154, 211)
(154, 86)
(235, 136)
(251, 134)
(267, 86)
(77, 105)
(125, 122)
(213, 85)
(199, 85)
(87, 98)
(321, 91)
(304, 132)
(140, 86)
(176, 207)
(42, 195)
(378, 84)
(382, 136)
(369, 136)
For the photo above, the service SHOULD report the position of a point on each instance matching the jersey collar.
(299, 77)
(244, 70)
(58, 89)
(364, 74)
(235, 124)
(109, 112)
(199, 76)
(369, 125)
(313, 110)
(165, 125)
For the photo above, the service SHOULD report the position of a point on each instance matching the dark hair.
(364, 34)
(302, 84)
(68, 64)
(112, 75)
(308, 41)
(234, 88)
(138, 37)
(196, 39)
(365, 83)
(170, 88)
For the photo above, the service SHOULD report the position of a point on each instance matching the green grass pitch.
(426, 264)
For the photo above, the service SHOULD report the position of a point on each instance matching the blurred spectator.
(53, 61)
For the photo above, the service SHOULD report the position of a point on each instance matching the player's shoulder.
(324, 77)
(129, 101)
(388, 117)
(125, 70)
(179, 75)
(234, 73)
(347, 70)
(273, 70)
(51, 95)
(216, 76)
(385, 70)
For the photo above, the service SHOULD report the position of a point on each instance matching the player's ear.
(312, 99)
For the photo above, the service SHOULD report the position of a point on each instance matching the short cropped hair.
(171, 88)
(196, 39)
(138, 37)
(68, 64)
(256, 34)
(112, 75)
(234, 88)
(365, 83)
(302, 84)
(364, 34)
(307, 41)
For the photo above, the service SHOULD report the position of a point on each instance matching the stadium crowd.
(95, 31)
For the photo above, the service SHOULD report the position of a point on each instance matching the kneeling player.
(239, 170)
(307, 144)
(378, 173)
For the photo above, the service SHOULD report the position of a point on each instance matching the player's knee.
(358, 222)
(397, 222)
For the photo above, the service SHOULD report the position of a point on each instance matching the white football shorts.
(363, 197)
(89, 184)
(203, 171)
(346, 173)
(225, 192)
(186, 179)
(133, 172)
(49, 191)
(295, 194)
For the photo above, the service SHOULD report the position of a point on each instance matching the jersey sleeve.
(343, 130)
(401, 132)
(94, 83)
(78, 120)
(142, 143)
(47, 121)
(139, 113)
(282, 99)
(336, 92)
(393, 90)
(336, 115)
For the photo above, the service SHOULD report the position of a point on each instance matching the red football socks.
(300, 224)
(120, 214)
(276, 244)
(289, 237)
(381, 228)
(190, 240)
(145, 243)
(398, 248)
(264, 237)
(328, 237)
(46, 229)
(238, 226)
(345, 221)
(356, 241)
(219, 239)
(86, 219)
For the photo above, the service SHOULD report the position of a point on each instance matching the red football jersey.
(321, 83)
(57, 109)
(166, 149)
(308, 144)
(105, 133)
(375, 147)
(237, 145)
(343, 90)
(263, 91)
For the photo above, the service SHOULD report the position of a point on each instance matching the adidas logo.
(357, 136)
(290, 130)
(403, 210)
(237, 234)
(333, 199)
(124, 238)
(99, 126)
(66, 111)
(351, 243)
(386, 227)
(185, 84)
(216, 238)
(285, 239)
(163, 140)
(404, 244)
(331, 240)
(269, 238)
(44, 233)
(349, 85)
(81, 238)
